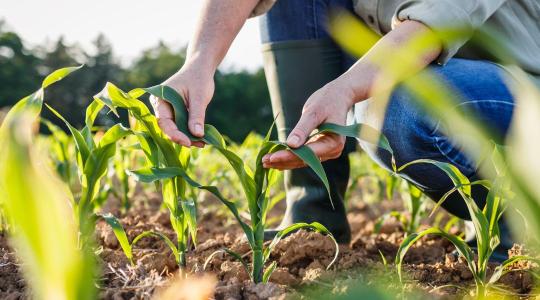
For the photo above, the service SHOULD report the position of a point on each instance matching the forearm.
(407, 49)
(218, 24)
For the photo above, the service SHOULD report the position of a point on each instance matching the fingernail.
(293, 140)
(198, 129)
(266, 158)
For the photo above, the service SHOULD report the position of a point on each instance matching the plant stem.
(182, 262)
(257, 271)
(480, 291)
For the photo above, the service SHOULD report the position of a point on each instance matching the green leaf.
(33, 103)
(268, 272)
(58, 75)
(485, 183)
(92, 111)
(114, 134)
(452, 171)
(318, 227)
(460, 245)
(190, 213)
(80, 141)
(30, 105)
(120, 234)
(149, 148)
(164, 238)
(42, 231)
(363, 132)
(214, 138)
(309, 158)
(502, 269)
(113, 98)
(154, 174)
(180, 111)
(231, 253)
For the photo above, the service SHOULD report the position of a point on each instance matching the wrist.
(197, 63)
(359, 79)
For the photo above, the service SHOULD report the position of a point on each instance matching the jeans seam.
(507, 102)
(445, 154)
(437, 140)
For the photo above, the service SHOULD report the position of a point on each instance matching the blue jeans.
(412, 134)
(294, 20)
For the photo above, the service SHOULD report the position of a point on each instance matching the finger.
(283, 156)
(197, 110)
(162, 108)
(328, 146)
(285, 166)
(198, 144)
(172, 132)
(325, 147)
(307, 123)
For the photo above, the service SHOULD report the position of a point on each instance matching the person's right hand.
(196, 86)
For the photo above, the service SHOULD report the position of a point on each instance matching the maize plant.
(35, 201)
(255, 183)
(61, 150)
(485, 225)
(92, 163)
(160, 153)
(255, 189)
(121, 162)
(415, 207)
(127, 246)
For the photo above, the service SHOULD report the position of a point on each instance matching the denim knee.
(404, 124)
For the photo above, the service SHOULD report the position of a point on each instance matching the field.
(122, 212)
(302, 257)
(378, 211)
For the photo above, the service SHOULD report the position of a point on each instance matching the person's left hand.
(329, 104)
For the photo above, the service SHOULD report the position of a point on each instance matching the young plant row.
(166, 163)
(254, 182)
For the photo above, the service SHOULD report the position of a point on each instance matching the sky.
(130, 26)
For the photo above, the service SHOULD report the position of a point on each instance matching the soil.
(432, 271)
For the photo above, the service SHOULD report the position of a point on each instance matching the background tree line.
(241, 102)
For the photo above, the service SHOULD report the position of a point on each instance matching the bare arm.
(362, 76)
(332, 102)
(218, 24)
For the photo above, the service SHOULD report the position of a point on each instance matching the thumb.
(298, 136)
(196, 113)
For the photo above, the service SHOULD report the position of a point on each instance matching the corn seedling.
(415, 205)
(92, 163)
(485, 225)
(60, 151)
(160, 153)
(122, 161)
(127, 247)
(36, 203)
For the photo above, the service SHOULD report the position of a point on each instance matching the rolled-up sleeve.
(444, 15)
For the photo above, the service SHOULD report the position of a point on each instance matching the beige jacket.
(517, 22)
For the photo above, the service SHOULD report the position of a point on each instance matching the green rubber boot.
(294, 70)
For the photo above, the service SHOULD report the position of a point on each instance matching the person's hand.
(329, 104)
(196, 86)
